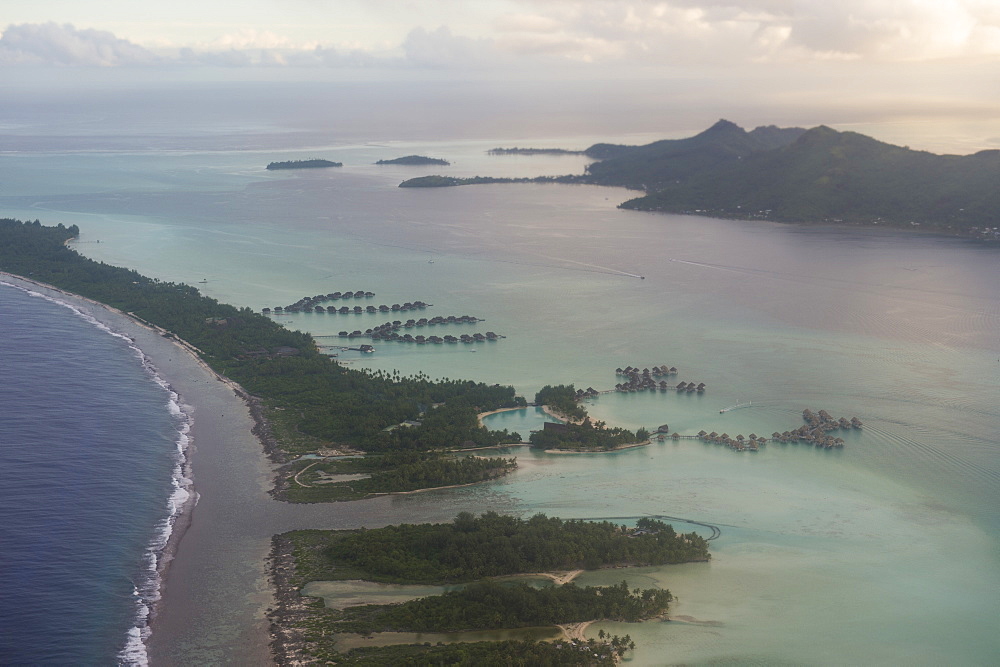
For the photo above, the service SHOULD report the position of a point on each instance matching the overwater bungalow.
(369, 294)
(343, 334)
(266, 311)
(360, 294)
(333, 295)
(358, 309)
(356, 333)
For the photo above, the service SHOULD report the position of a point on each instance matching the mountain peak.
(723, 125)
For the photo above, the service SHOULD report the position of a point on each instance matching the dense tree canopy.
(492, 545)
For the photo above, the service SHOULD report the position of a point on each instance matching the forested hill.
(819, 175)
(654, 165)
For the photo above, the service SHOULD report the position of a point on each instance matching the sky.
(908, 56)
(496, 34)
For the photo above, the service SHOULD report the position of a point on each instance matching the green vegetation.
(449, 181)
(415, 160)
(561, 398)
(304, 164)
(587, 436)
(661, 163)
(509, 653)
(792, 175)
(468, 550)
(471, 548)
(310, 396)
(489, 605)
(315, 481)
(830, 176)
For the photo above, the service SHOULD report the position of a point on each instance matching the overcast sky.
(930, 55)
(495, 34)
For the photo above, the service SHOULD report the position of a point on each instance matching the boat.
(736, 407)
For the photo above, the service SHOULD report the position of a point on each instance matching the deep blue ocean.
(90, 444)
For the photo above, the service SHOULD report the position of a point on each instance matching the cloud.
(549, 35)
(726, 31)
(439, 48)
(54, 44)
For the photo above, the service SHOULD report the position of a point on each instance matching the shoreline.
(483, 415)
(619, 448)
(204, 397)
(555, 414)
(178, 522)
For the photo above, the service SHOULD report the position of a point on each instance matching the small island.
(472, 552)
(303, 164)
(415, 160)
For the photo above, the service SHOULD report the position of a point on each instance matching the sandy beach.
(216, 591)
(223, 453)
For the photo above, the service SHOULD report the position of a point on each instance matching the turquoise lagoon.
(884, 552)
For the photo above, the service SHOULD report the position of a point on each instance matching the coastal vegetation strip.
(303, 164)
(398, 472)
(415, 160)
(436, 181)
(587, 437)
(469, 550)
(323, 405)
(563, 399)
(478, 654)
(795, 175)
(493, 605)
(491, 545)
